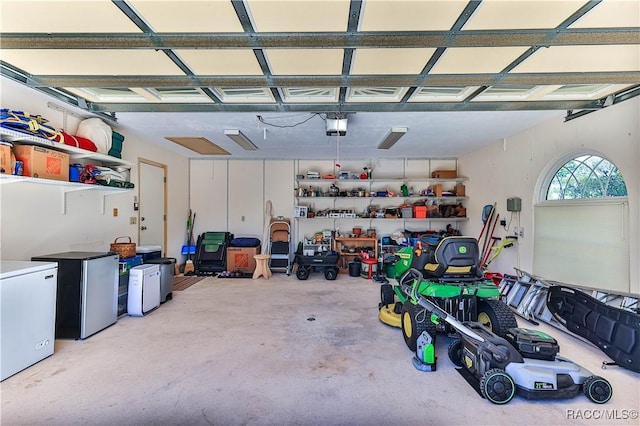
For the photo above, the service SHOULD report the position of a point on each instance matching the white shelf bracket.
(65, 191)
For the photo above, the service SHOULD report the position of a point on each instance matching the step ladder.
(526, 295)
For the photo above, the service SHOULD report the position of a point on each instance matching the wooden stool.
(262, 266)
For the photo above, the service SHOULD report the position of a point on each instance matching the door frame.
(165, 170)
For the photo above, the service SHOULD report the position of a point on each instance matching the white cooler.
(144, 289)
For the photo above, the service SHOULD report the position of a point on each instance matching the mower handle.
(499, 353)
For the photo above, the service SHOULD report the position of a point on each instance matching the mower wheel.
(415, 320)
(302, 273)
(455, 352)
(496, 316)
(497, 386)
(331, 274)
(597, 389)
(387, 295)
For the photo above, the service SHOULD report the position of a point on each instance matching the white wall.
(223, 192)
(231, 195)
(31, 215)
(513, 168)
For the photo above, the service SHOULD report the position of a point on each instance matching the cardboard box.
(459, 190)
(6, 160)
(436, 189)
(444, 174)
(433, 211)
(241, 258)
(42, 162)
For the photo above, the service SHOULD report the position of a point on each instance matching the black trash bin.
(167, 270)
(354, 269)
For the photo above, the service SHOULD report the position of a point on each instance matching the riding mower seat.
(455, 258)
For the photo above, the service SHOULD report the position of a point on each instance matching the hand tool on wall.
(187, 249)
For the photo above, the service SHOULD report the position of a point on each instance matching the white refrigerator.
(28, 318)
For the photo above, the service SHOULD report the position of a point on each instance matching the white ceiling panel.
(109, 94)
(611, 13)
(257, 95)
(431, 15)
(63, 16)
(375, 94)
(583, 59)
(310, 94)
(305, 61)
(441, 94)
(221, 62)
(583, 91)
(467, 60)
(501, 14)
(390, 61)
(96, 62)
(189, 16)
(299, 16)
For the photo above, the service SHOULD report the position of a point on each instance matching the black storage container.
(123, 292)
(354, 269)
(533, 344)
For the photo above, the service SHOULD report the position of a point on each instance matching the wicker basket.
(124, 249)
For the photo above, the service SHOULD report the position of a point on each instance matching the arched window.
(586, 176)
(581, 224)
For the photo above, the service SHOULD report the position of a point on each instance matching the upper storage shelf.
(383, 180)
(74, 153)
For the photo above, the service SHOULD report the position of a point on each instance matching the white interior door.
(152, 213)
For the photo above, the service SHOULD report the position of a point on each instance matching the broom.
(189, 248)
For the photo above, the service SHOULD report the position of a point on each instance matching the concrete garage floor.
(243, 351)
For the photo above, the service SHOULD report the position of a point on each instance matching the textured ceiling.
(287, 60)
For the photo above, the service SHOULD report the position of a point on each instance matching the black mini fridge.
(87, 292)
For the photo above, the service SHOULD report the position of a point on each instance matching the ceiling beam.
(395, 80)
(326, 40)
(347, 107)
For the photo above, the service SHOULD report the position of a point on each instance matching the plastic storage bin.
(149, 252)
(407, 212)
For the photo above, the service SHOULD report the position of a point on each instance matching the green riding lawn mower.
(440, 288)
(446, 272)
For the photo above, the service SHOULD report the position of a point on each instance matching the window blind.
(583, 243)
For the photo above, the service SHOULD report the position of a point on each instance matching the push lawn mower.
(448, 275)
(526, 362)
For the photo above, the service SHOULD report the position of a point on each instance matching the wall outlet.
(521, 232)
(133, 220)
(115, 212)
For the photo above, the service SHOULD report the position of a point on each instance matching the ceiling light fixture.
(392, 137)
(336, 127)
(238, 137)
